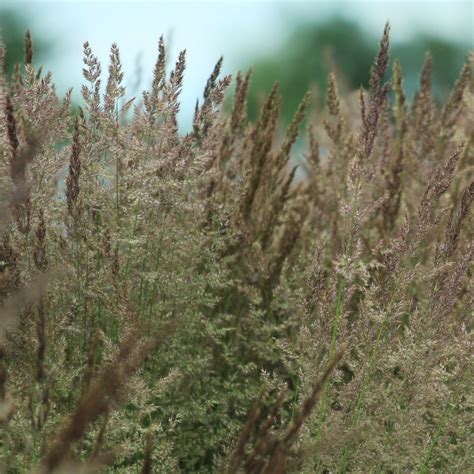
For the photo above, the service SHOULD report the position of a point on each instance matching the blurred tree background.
(313, 50)
(13, 26)
(301, 63)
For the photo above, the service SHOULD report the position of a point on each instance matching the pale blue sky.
(209, 29)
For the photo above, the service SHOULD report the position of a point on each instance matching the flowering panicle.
(454, 106)
(378, 95)
(152, 100)
(292, 133)
(423, 108)
(72, 180)
(334, 130)
(114, 90)
(439, 183)
(91, 73)
(261, 142)
(391, 206)
(235, 124)
(213, 96)
(28, 48)
(189, 273)
(19, 160)
(453, 228)
(171, 94)
(39, 252)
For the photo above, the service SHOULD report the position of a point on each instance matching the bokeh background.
(296, 43)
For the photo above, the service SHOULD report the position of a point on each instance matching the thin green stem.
(442, 422)
(362, 389)
(338, 311)
(434, 440)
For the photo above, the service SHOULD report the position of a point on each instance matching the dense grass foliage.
(197, 303)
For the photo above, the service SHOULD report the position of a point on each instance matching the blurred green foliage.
(315, 49)
(13, 26)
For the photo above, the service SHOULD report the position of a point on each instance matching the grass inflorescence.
(221, 301)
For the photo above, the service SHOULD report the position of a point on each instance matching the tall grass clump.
(215, 302)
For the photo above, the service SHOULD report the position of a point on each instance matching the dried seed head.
(93, 71)
(292, 133)
(425, 76)
(159, 71)
(454, 105)
(334, 130)
(72, 181)
(176, 77)
(28, 48)
(422, 105)
(313, 153)
(11, 132)
(400, 101)
(378, 96)
(455, 221)
(39, 252)
(437, 186)
(211, 82)
(114, 91)
(333, 100)
(240, 102)
(261, 139)
(379, 68)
